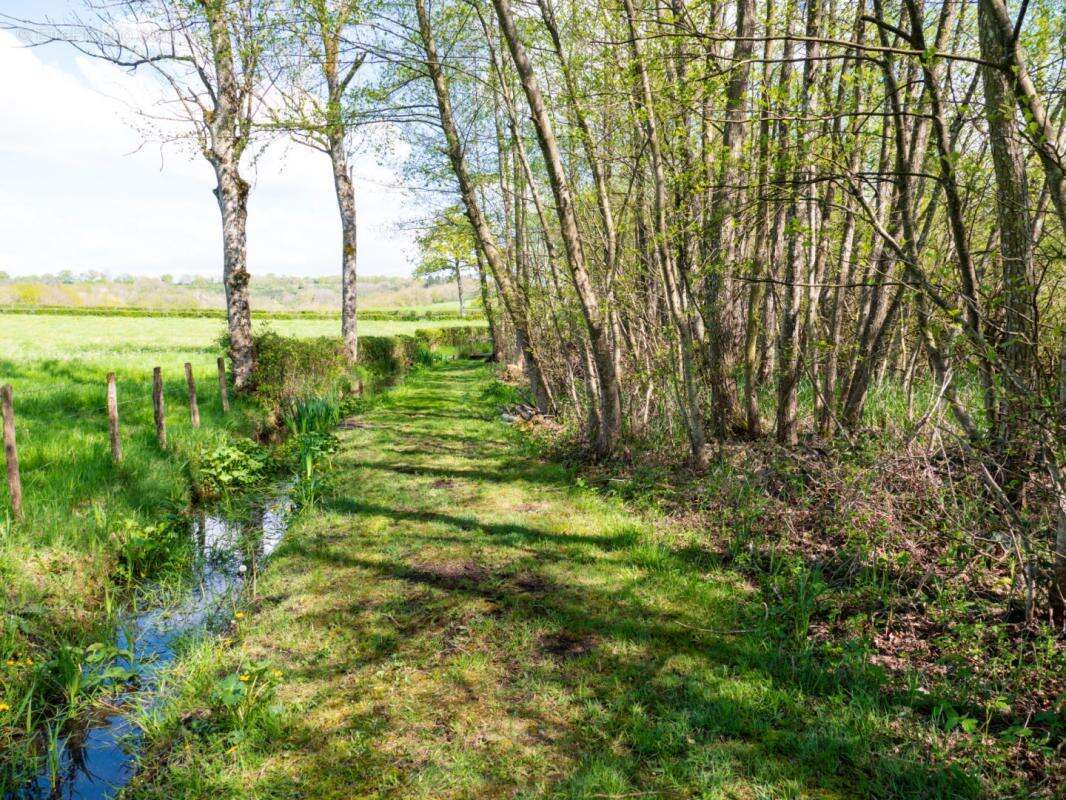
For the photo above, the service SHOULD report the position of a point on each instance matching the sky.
(82, 189)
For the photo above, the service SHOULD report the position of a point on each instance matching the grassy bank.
(460, 617)
(95, 530)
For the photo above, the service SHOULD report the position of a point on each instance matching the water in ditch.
(95, 759)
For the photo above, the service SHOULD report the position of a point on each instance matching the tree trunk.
(791, 293)
(228, 127)
(1015, 246)
(762, 249)
(486, 304)
(232, 195)
(587, 140)
(1057, 590)
(610, 399)
(342, 183)
(879, 316)
(459, 288)
(722, 230)
(672, 280)
(537, 388)
(994, 16)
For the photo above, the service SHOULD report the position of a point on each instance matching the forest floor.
(459, 618)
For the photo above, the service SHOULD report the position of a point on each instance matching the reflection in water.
(98, 758)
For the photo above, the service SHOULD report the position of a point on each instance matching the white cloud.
(79, 189)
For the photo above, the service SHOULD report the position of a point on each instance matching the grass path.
(459, 620)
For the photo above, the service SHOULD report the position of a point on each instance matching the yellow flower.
(278, 673)
(4, 707)
(11, 662)
(244, 678)
(239, 615)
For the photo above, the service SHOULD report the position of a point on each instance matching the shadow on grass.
(667, 696)
(611, 666)
(512, 531)
(510, 471)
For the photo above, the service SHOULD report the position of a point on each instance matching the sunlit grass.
(460, 618)
(145, 342)
(59, 565)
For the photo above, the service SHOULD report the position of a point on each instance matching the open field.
(144, 341)
(89, 521)
(268, 292)
(58, 366)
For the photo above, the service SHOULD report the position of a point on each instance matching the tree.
(513, 299)
(604, 359)
(320, 108)
(852, 222)
(447, 248)
(207, 57)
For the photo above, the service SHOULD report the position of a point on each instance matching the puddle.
(98, 758)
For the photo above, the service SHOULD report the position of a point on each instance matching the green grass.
(59, 566)
(58, 366)
(64, 565)
(459, 618)
(145, 342)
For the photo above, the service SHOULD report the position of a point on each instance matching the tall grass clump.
(313, 414)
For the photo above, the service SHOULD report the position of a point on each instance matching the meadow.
(57, 366)
(143, 341)
(584, 630)
(89, 523)
(463, 615)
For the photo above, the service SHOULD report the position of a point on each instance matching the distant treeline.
(375, 314)
(268, 292)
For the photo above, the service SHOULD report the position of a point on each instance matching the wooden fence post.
(112, 418)
(14, 481)
(194, 409)
(223, 389)
(159, 406)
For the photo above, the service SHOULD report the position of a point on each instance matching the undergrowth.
(879, 563)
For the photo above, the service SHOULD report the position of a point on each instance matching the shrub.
(289, 370)
(143, 550)
(466, 338)
(388, 355)
(224, 464)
